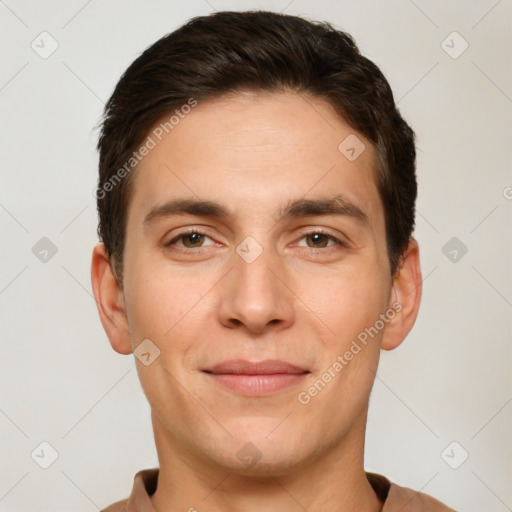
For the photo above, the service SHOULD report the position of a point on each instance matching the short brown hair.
(229, 52)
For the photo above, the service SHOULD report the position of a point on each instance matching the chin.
(265, 470)
(254, 452)
(264, 465)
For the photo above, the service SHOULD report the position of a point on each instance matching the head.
(256, 202)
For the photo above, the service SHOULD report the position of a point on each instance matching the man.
(256, 200)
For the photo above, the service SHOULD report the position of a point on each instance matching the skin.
(300, 301)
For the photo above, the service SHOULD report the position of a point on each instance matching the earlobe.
(109, 301)
(405, 298)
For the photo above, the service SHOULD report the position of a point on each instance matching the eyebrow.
(335, 205)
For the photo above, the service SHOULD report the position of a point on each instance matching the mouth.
(262, 378)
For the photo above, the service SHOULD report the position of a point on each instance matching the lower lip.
(257, 385)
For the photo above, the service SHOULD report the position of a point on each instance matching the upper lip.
(266, 367)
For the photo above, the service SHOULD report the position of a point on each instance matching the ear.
(405, 297)
(110, 301)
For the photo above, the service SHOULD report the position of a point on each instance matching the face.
(255, 299)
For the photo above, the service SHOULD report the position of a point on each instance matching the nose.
(255, 295)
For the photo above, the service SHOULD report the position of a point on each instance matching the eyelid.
(201, 231)
(336, 239)
(188, 231)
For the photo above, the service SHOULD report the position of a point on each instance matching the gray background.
(60, 380)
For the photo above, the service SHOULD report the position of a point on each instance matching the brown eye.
(189, 240)
(318, 239)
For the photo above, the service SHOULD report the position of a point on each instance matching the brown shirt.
(395, 498)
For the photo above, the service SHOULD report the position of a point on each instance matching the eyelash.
(313, 232)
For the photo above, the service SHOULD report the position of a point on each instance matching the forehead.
(254, 152)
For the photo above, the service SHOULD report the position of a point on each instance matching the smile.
(256, 379)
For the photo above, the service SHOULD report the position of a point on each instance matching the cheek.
(155, 302)
(168, 307)
(346, 301)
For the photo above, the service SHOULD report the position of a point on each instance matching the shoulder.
(144, 485)
(118, 506)
(403, 499)
(408, 500)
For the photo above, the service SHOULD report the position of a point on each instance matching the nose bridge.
(253, 295)
(253, 270)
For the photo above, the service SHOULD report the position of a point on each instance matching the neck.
(335, 480)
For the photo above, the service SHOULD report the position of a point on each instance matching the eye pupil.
(192, 238)
(195, 239)
(318, 238)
